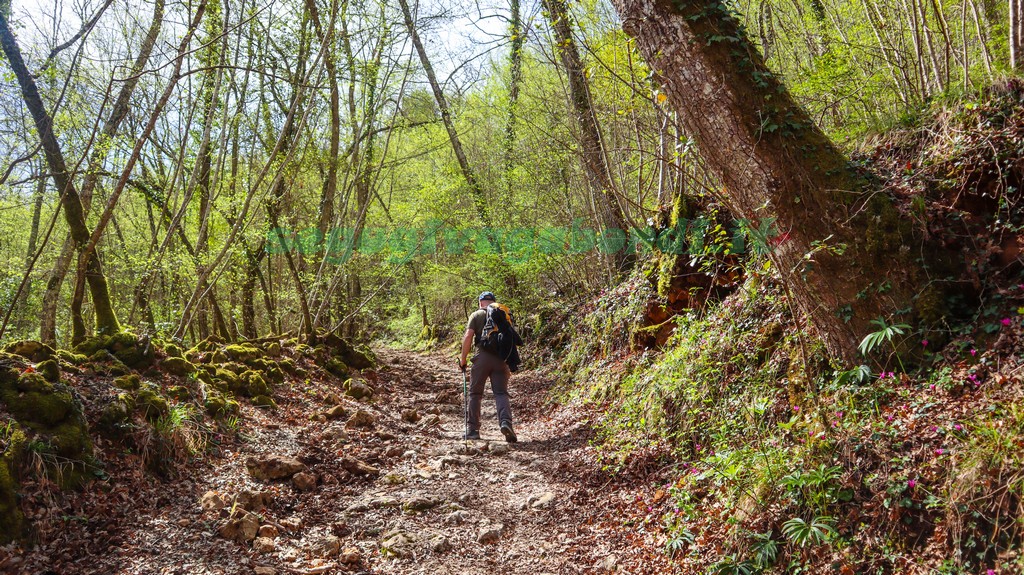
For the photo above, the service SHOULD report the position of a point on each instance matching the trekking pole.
(465, 404)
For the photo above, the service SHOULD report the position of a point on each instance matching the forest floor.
(403, 494)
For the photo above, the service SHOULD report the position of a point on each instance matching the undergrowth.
(784, 461)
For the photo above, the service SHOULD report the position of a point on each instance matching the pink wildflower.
(1007, 321)
(958, 427)
(911, 484)
(974, 351)
(924, 343)
(939, 451)
(796, 408)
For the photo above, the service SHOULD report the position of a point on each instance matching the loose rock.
(264, 545)
(361, 418)
(240, 526)
(327, 547)
(490, 534)
(269, 467)
(304, 481)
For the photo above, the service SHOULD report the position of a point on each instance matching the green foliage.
(814, 532)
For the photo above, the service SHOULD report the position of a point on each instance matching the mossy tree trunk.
(71, 203)
(842, 248)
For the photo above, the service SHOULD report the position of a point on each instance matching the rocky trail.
(328, 483)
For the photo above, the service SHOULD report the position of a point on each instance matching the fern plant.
(814, 532)
(885, 333)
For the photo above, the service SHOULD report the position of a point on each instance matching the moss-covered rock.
(51, 418)
(12, 445)
(219, 404)
(264, 401)
(37, 402)
(235, 367)
(252, 384)
(273, 349)
(179, 393)
(50, 370)
(287, 365)
(228, 377)
(126, 347)
(91, 345)
(177, 366)
(336, 367)
(131, 350)
(209, 344)
(31, 350)
(152, 404)
(356, 357)
(269, 369)
(72, 358)
(243, 352)
(218, 356)
(172, 350)
(116, 417)
(130, 382)
(358, 389)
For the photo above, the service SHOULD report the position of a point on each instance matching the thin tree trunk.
(106, 319)
(477, 192)
(1016, 34)
(595, 162)
(982, 40)
(515, 57)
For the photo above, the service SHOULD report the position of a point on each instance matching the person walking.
(485, 365)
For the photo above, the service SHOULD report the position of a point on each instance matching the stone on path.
(329, 546)
(490, 534)
(542, 501)
(499, 448)
(358, 467)
(264, 545)
(350, 556)
(456, 517)
(439, 544)
(268, 530)
(361, 418)
(336, 412)
(418, 504)
(269, 467)
(240, 526)
(264, 571)
(411, 415)
(304, 481)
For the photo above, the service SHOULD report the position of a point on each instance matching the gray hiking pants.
(488, 365)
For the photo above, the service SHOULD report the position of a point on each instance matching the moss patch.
(177, 366)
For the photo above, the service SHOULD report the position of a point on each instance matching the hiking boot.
(472, 434)
(507, 431)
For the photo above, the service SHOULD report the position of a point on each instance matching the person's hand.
(462, 365)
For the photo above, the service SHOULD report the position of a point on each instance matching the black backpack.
(499, 337)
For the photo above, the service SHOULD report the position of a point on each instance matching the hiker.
(487, 364)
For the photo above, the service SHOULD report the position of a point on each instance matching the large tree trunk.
(71, 202)
(838, 238)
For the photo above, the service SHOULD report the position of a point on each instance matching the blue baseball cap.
(487, 296)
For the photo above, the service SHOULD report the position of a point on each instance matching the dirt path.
(397, 496)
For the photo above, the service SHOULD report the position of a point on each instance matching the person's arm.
(467, 344)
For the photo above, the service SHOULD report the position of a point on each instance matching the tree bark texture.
(836, 239)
